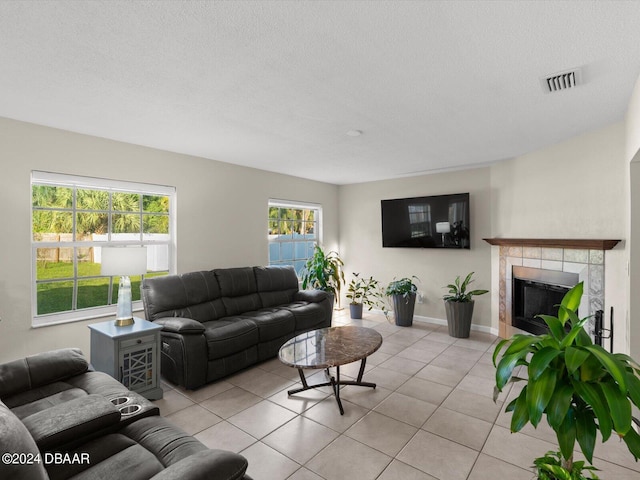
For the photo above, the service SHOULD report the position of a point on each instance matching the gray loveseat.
(60, 420)
(220, 321)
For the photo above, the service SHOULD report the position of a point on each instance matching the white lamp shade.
(443, 227)
(123, 261)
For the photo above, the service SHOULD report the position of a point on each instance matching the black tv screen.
(440, 221)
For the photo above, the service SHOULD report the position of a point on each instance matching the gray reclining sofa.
(220, 321)
(59, 420)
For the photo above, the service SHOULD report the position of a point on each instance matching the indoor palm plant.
(403, 295)
(362, 292)
(458, 305)
(579, 386)
(322, 271)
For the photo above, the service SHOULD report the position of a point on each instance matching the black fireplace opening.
(538, 292)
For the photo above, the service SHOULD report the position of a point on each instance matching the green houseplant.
(362, 292)
(458, 305)
(403, 296)
(578, 386)
(322, 271)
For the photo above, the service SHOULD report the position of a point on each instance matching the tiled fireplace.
(582, 258)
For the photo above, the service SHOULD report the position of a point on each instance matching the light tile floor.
(431, 416)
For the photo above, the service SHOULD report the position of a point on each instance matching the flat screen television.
(440, 221)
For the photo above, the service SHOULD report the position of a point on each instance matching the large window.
(72, 219)
(294, 230)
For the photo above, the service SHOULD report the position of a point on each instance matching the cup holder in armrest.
(118, 401)
(130, 409)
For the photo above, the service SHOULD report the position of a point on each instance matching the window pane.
(52, 197)
(274, 252)
(54, 263)
(126, 202)
(93, 292)
(88, 224)
(125, 223)
(286, 251)
(156, 204)
(155, 224)
(86, 264)
(301, 250)
(54, 297)
(52, 226)
(92, 200)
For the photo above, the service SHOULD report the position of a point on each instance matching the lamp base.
(124, 322)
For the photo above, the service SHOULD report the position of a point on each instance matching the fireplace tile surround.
(587, 263)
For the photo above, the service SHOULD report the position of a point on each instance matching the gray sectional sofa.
(59, 420)
(217, 322)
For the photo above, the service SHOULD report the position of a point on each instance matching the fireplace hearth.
(537, 291)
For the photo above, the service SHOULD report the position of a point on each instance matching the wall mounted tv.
(440, 221)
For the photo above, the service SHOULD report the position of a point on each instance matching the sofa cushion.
(272, 322)
(17, 439)
(229, 335)
(276, 284)
(74, 419)
(193, 295)
(42, 398)
(238, 289)
(40, 369)
(308, 315)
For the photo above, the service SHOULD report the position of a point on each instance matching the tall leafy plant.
(364, 291)
(323, 271)
(578, 386)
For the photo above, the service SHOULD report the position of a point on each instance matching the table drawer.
(131, 342)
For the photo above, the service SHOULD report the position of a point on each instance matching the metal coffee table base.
(334, 383)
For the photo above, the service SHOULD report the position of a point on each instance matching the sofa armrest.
(205, 465)
(311, 296)
(40, 369)
(71, 420)
(180, 325)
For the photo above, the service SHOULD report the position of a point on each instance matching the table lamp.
(124, 261)
(443, 228)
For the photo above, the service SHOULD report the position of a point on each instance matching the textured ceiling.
(277, 84)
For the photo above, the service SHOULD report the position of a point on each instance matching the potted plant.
(458, 305)
(322, 271)
(403, 296)
(578, 386)
(362, 292)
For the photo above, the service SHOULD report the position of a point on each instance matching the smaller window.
(293, 231)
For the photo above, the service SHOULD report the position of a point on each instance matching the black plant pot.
(403, 308)
(356, 310)
(459, 315)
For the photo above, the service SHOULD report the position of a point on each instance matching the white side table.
(130, 354)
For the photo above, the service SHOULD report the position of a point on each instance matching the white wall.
(361, 238)
(575, 189)
(222, 214)
(633, 157)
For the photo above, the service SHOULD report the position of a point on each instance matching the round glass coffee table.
(331, 347)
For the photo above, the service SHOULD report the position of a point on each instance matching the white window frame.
(298, 205)
(94, 183)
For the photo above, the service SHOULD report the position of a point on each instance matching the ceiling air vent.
(561, 81)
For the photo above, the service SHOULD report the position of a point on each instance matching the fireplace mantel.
(592, 244)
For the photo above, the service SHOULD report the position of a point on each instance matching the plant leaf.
(586, 432)
(572, 335)
(567, 434)
(539, 393)
(506, 366)
(619, 407)
(611, 364)
(574, 358)
(632, 439)
(633, 384)
(520, 415)
(570, 301)
(594, 397)
(496, 352)
(555, 326)
(559, 405)
(540, 361)
(519, 341)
